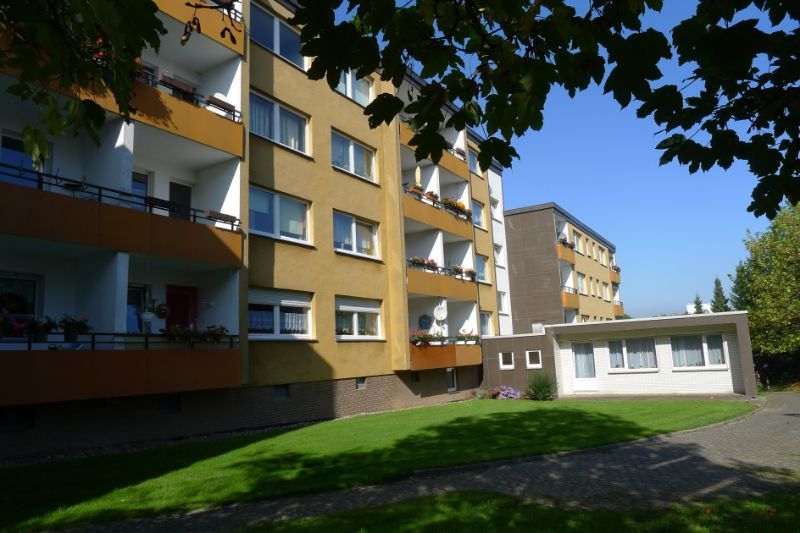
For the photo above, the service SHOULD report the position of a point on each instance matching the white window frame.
(498, 256)
(705, 366)
(606, 292)
(361, 383)
(491, 326)
(452, 372)
(472, 155)
(485, 279)
(500, 360)
(602, 252)
(355, 306)
(372, 178)
(581, 278)
(353, 234)
(577, 241)
(625, 366)
(278, 298)
(349, 80)
(502, 299)
(276, 218)
(528, 363)
(276, 37)
(477, 207)
(276, 122)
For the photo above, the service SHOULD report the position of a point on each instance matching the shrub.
(504, 392)
(541, 387)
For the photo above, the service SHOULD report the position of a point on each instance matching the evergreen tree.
(740, 298)
(719, 303)
(698, 305)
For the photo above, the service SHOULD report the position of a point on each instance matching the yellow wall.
(595, 307)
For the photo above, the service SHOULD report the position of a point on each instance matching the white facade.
(496, 210)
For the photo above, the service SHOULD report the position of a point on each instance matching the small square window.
(506, 360)
(280, 392)
(452, 380)
(361, 383)
(533, 359)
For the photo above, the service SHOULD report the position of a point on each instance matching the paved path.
(749, 456)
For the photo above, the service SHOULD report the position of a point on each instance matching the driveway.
(749, 456)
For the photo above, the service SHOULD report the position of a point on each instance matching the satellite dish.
(440, 312)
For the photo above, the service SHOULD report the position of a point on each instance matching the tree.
(740, 297)
(768, 283)
(698, 305)
(58, 48)
(719, 303)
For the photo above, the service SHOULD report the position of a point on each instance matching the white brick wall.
(664, 380)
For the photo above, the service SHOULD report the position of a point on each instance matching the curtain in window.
(340, 151)
(262, 28)
(260, 318)
(362, 159)
(584, 360)
(641, 352)
(361, 90)
(344, 323)
(294, 320)
(365, 238)
(262, 217)
(293, 130)
(293, 218)
(615, 357)
(290, 45)
(687, 351)
(261, 116)
(342, 232)
(716, 355)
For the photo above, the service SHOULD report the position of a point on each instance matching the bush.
(504, 392)
(541, 387)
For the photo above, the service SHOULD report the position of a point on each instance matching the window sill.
(476, 173)
(503, 313)
(480, 227)
(717, 368)
(284, 147)
(354, 175)
(633, 370)
(345, 338)
(534, 367)
(499, 221)
(359, 256)
(280, 338)
(282, 239)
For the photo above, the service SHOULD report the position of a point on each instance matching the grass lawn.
(485, 512)
(328, 455)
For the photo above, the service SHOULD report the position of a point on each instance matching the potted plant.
(73, 327)
(37, 330)
(417, 261)
(430, 195)
(471, 273)
(162, 310)
(457, 270)
(175, 333)
(420, 338)
(431, 264)
(416, 189)
(215, 333)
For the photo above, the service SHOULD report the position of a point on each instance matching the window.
(482, 270)
(278, 216)
(272, 121)
(698, 351)
(584, 318)
(501, 303)
(576, 240)
(494, 206)
(498, 255)
(581, 283)
(592, 251)
(139, 187)
(591, 286)
(638, 353)
(354, 235)
(278, 314)
(452, 380)
(19, 296)
(602, 253)
(12, 152)
(486, 323)
(472, 160)
(506, 360)
(361, 383)
(275, 35)
(477, 214)
(357, 318)
(606, 294)
(280, 392)
(533, 359)
(349, 155)
(358, 89)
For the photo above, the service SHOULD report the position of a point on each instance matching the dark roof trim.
(634, 324)
(575, 220)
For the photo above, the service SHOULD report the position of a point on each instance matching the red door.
(182, 303)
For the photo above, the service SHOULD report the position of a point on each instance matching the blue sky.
(674, 232)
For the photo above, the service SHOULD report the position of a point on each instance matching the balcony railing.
(442, 271)
(234, 13)
(617, 302)
(437, 204)
(111, 341)
(437, 340)
(184, 91)
(80, 189)
(569, 290)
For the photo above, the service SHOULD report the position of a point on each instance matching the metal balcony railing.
(617, 302)
(184, 91)
(436, 203)
(113, 341)
(442, 270)
(570, 290)
(80, 189)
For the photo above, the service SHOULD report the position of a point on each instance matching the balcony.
(434, 213)
(44, 206)
(447, 354)
(566, 252)
(449, 160)
(111, 365)
(615, 274)
(441, 282)
(569, 298)
(211, 21)
(618, 309)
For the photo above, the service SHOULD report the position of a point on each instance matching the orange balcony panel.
(565, 253)
(33, 377)
(58, 217)
(570, 300)
(447, 356)
(422, 282)
(619, 310)
(614, 277)
(211, 22)
(449, 161)
(438, 218)
(161, 110)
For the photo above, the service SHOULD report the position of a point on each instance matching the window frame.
(276, 210)
(502, 299)
(504, 366)
(349, 92)
(489, 323)
(477, 209)
(348, 307)
(353, 228)
(276, 315)
(276, 37)
(528, 363)
(276, 107)
(472, 155)
(498, 255)
(373, 177)
(485, 279)
(626, 369)
(452, 373)
(38, 293)
(581, 279)
(704, 354)
(577, 241)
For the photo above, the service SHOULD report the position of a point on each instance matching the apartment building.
(561, 270)
(242, 195)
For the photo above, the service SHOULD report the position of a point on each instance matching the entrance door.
(585, 376)
(182, 303)
(180, 195)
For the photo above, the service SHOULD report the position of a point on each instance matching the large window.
(634, 354)
(353, 235)
(358, 319)
(274, 34)
(486, 323)
(698, 351)
(351, 156)
(477, 214)
(581, 283)
(355, 88)
(279, 216)
(482, 270)
(273, 314)
(272, 121)
(472, 159)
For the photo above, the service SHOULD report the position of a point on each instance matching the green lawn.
(485, 512)
(328, 455)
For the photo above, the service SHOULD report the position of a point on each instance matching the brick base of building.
(74, 426)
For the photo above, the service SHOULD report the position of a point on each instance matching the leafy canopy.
(497, 60)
